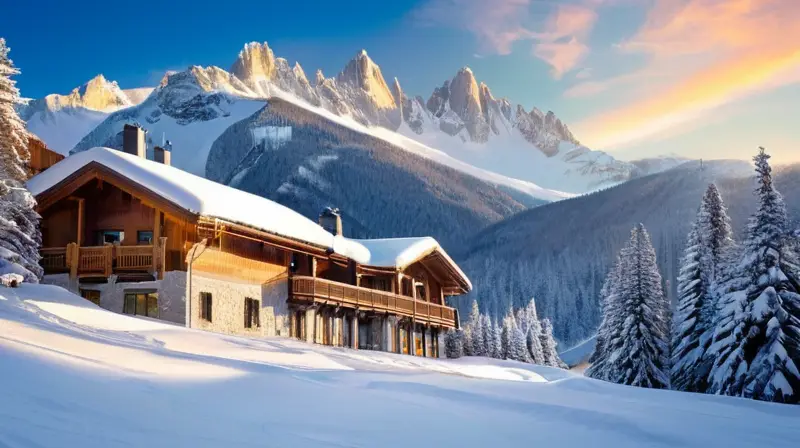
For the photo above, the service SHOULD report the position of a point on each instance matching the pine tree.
(687, 351)
(20, 237)
(454, 344)
(599, 367)
(488, 335)
(497, 341)
(549, 346)
(709, 247)
(478, 338)
(757, 345)
(506, 335)
(533, 332)
(638, 344)
(518, 347)
(473, 324)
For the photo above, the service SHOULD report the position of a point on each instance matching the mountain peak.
(256, 61)
(362, 73)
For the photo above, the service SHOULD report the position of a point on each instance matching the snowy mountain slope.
(77, 375)
(62, 120)
(190, 109)
(307, 161)
(561, 252)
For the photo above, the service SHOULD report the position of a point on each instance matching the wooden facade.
(96, 223)
(41, 157)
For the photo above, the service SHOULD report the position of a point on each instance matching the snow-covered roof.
(211, 199)
(402, 252)
(192, 193)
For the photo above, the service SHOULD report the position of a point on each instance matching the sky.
(636, 78)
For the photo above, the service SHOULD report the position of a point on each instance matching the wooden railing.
(94, 260)
(104, 260)
(54, 259)
(326, 291)
(134, 257)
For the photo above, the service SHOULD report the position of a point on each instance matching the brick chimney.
(331, 220)
(162, 155)
(133, 141)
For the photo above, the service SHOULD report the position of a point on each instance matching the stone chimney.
(133, 141)
(162, 155)
(331, 220)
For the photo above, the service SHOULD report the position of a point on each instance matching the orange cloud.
(724, 50)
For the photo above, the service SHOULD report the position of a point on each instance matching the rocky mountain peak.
(362, 73)
(256, 62)
(300, 74)
(319, 78)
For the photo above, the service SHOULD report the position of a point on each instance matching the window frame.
(206, 306)
(252, 313)
(139, 241)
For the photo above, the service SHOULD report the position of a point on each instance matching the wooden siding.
(218, 264)
(109, 208)
(42, 157)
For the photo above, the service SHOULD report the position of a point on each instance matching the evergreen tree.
(709, 248)
(533, 332)
(454, 344)
(638, 344)
(506, 335)
(497, 341)
(20, 237)
(488, 335)
(518, 347)
(549, 346)
(687, 351)
(756, 346)
(478, 338)
(599, 367)
(473, 324)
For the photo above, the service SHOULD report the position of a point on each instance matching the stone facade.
(171, 292)
(228, 306)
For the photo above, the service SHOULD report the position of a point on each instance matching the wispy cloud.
(558, 36)
(716, 52)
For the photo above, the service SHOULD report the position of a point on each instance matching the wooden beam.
(81, 220)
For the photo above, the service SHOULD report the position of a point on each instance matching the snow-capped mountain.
(62, 120)
(461, 118)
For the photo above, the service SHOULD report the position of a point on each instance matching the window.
(91, 295)
(205, 306)
(110, 236)
(141, 304)
(252, 315)
(144, 237)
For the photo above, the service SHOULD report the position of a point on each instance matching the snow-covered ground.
(76, 375)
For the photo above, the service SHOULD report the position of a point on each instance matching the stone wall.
(228, 304)
(171, 292)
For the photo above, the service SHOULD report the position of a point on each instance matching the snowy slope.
(77, 375)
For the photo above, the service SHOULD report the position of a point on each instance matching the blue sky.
(702, 78)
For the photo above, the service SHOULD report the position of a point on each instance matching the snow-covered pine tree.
(518, 348)
(639, 341)
(688, 328)
(20, 237)
(488, 335)
(709, 247)
(506, 335)
(549, 346)
(757, 347)
(599, 367)
(454, 344)
(497, 340)
(533, 332)
(478, 338)
(473, 323)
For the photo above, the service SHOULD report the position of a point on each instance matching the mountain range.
(461, 118)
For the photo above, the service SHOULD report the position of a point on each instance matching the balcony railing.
(326, 291)
(103, 260)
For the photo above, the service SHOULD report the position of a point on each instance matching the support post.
(354, 331)
(79, 238)
(311, 320)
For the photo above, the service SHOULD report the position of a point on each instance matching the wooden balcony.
(317, 290)
(102, 261)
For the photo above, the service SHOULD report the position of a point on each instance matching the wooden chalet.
(141, 237)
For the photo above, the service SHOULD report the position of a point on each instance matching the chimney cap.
(330, 211)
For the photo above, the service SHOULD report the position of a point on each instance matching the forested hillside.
(302, 160)
(560, 253)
